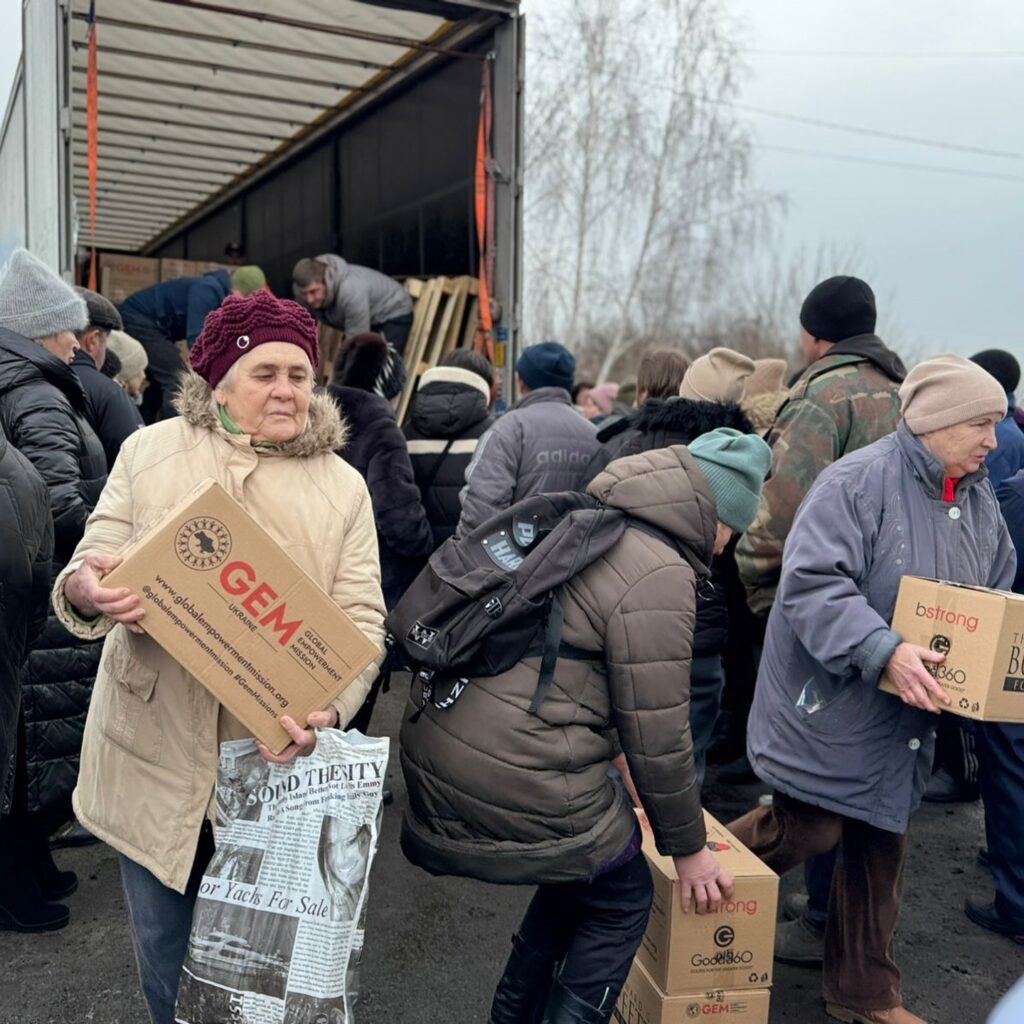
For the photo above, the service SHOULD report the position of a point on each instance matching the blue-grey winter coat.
(820, 729)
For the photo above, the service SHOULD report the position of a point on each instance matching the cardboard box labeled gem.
(728, 950)
(171, 269)
(239, 614)
(981, 633)
(121, 276)
(642, 1002)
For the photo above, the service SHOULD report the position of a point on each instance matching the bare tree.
(639, 197)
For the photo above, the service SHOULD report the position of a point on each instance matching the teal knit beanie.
(735, 465)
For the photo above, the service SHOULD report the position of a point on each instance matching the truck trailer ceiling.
(196, 97)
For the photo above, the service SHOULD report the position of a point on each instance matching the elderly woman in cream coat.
(248, 419)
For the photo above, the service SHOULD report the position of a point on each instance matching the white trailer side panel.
(45, 41)
(13, 232)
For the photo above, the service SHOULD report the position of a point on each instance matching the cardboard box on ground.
(642, 1002)
(239, 614)
(981, 633)
(729, 950)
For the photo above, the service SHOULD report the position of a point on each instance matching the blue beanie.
(735, 465)
(547, 365)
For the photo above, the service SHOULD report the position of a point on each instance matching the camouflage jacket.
(840, 404)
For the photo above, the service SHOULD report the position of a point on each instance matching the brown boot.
(897, 1015)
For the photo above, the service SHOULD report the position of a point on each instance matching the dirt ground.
(435, 947)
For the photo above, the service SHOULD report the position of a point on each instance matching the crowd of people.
(731, 601)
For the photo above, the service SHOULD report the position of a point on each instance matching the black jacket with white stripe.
(449, 414)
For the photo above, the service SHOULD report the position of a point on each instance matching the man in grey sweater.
(353, 299)
(541, 445)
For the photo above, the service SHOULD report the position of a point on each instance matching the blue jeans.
(160, 920)
(707, 680)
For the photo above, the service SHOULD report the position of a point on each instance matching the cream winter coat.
(149, 757)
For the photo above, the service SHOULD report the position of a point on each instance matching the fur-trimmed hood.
(326, 429)
(685, 416)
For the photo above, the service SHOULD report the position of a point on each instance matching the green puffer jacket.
(841, 403)
(503, 796)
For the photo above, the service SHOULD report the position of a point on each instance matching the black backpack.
(488, 599)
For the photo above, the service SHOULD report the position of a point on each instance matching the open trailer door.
(290, 130)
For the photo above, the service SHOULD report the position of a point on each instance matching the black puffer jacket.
(661, 423)
(26, 551)
(376, 448)
(112, 414)
(448, 416)
(43, 414)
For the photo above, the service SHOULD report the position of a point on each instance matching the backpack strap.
(552, 640)
(428, 481)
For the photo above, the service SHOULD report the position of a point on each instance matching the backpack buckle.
(493, 607)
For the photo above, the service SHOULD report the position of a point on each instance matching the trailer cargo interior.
(284, 129)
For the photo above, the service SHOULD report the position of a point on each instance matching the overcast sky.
(946, 251)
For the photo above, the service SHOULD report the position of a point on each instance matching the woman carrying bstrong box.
(248, 419)
(849, 762)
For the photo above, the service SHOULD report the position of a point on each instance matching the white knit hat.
(35, 302)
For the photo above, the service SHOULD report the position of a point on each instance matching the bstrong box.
(981, 633)
(732, 949)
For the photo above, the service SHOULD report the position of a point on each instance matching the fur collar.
(685, 416)
(326, 430)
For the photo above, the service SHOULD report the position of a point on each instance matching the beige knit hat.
(768, 375)
(718, 376)
(130, 352)
(946, 390)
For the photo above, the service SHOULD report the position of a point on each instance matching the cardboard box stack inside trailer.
(711, 964)
(981, 633)
(121, 276)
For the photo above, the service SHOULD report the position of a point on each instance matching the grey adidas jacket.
(360, 298)
(542, 445)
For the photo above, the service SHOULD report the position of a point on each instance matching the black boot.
(523, 989)
(23, 908)
(53, 883)
(565, 1008)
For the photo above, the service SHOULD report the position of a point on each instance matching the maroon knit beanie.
(243, 323)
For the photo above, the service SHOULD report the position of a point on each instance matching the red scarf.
(949, 489)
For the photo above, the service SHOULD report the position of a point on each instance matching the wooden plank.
(426, 314)
(414, 286)
(456, 322)
(439, 333)
(331, 342)
(472, 323)
(423, 320)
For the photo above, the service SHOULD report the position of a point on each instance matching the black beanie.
(839, 308)
(1001, 365)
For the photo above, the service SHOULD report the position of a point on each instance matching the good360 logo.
(203, 543)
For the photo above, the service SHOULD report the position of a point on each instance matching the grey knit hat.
(735, 465)
(35, 302)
